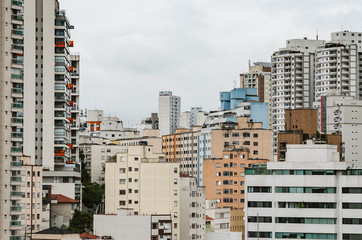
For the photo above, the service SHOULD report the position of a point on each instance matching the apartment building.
(224, 179)
(169, 108)
(217, 219)
(48, 93)
(194, 117)
(182, 147)
(259, 77)
(342, 115)
(312, 195)
(192, 203)
(292, 79)
(74, 104)
(337, 68)
(30, 197)
(11, 116)
(95, 157)
(126, 225)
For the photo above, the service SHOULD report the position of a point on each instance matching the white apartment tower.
(292, 79)
(312, 195)
(11, 117)
(49, 136)
(169, 108)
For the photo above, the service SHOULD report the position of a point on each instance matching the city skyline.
(182, 47)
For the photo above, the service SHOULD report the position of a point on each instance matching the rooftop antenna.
(317, 34)
(249, 64)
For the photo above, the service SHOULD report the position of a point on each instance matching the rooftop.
(62, 199)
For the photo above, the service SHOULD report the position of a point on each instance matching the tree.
(92, 194)
(81, 222)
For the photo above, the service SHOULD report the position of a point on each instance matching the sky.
(132, 49)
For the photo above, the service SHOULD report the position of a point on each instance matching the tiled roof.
(62, 199)
(209, 218)
(88, 236)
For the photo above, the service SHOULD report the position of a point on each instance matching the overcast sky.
(132, 49)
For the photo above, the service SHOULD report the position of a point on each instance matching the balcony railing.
(17, 17)
(16, 76)
(15, 194)
(15, 179)
(15, 208)
(15, 223)
(17, 47)
(15, 237)
(16, 120)
(17, 90)
(16, 135)
(16, 164)
(16, 149)
(17, 61)
(17, 105)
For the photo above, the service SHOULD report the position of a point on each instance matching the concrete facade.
(169, 109)
(311, 195)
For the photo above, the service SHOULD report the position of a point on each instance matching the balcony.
(17, 90)
(15, 223)
(17, 17)
(74, 74)
(59, 153)
(14, 237)
(17, 3)
(16, 164)
(16, 76)
(17, 47)
(15, 179)
(16, 149)
(15, 208)
(16, 135)
(17, 105)
(15, 194)
(17, 61)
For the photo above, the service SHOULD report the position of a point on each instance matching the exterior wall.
(301, 119)
(224, 236)
(61, 214)
(192, 203)
(337, 70)
(39, 236)
(220, 216)
(343, 114)
(332, 174)
(122, 187)
(31, 201)
(246, 135)
(169, 108)
(160, 191)
(237, 220)
(11, 116)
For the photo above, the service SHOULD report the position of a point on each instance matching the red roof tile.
(209, 218)
(88, 236)
(62, 199)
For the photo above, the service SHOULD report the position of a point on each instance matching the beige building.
(11, 116)
(224, 181)
(62, 210)
(192, 203)
(143, 181)
(244, 134)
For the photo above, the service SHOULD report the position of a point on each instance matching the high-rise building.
(49, 104)
(169, 108)
(11, 117)
(292, 79)
(341, 115)
(259, 77)
(312, 195)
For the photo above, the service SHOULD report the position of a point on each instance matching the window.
(260, 219)
(122, 170)
(255, 135)
(218, 183)
(352, 190)
(246, 134)
(235, 134)
(255, 144)
(122, 192)
(130, 169)
(352, 205)
(256, 152)
(218, 165)
(259, 234)
(246, 143)
(355, 221)
(259, 189)
(122, 203)
(122, 181)
(257, 204)
(297, 220)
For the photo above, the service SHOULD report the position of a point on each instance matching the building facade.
(169, 109)
(312, 195)
(11, 116)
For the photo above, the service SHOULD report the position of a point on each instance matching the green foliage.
(92, 194)
(81, 222)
